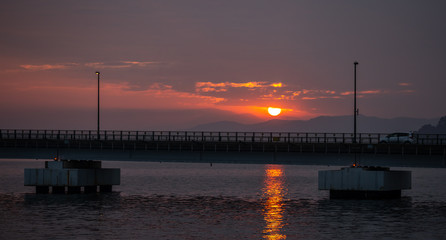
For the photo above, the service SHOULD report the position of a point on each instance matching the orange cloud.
(313, 94)
(209, 84)
(271, 91)
(309, 98)
(296, 93)
(120, 64)
(278, 85)
(139, 64)
(157, 96)
(96, 65)
(160, 86)
(224, 86)
(309, 94)
(247, 85)
(209, 89)
(101, 65)
(363, 92)
(47, 66)
(371, 92)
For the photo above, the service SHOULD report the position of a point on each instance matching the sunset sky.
(175, 64)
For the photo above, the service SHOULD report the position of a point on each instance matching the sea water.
(218, 201)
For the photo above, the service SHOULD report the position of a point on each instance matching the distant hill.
(334, 124)
(440, 128)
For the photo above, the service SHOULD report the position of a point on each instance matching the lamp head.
(97, 73)
(356, 63)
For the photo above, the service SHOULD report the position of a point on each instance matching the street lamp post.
(98, 73)
(355, 111)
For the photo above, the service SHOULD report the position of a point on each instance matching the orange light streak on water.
(274, 192)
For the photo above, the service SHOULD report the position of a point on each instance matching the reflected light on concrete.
(274, 191)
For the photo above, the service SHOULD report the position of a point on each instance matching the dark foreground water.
(222, 201)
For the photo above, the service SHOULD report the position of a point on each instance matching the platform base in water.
(364, 182)
(352, 194)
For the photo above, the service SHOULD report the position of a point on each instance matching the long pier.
(278, 147)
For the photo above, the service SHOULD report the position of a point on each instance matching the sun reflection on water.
(274, 191)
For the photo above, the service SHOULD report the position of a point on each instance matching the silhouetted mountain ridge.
(439, 129)
(332, 124)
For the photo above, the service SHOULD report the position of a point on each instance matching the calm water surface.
(222, 201)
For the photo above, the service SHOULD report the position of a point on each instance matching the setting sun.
(274, 111)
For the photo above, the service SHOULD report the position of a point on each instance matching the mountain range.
(440, 128)
(329, 124)
(204, 120)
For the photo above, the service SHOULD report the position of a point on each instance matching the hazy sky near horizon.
(239, 56)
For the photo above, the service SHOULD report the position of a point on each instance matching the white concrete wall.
(72, 177)
(361, 179)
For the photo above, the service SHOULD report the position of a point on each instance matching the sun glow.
(274, 111)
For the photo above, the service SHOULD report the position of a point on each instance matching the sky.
(174, 64)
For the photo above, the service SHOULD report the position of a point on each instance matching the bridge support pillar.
(70, 176)
(58, 189)
(42, 189)
(90, 189)
(75, 189)
(364, 182)
(105, 188)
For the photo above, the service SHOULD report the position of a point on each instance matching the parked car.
(406, 138)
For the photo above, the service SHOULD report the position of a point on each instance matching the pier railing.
(194, 136)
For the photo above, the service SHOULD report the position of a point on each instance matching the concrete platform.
(71, 176)
(364, 182)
